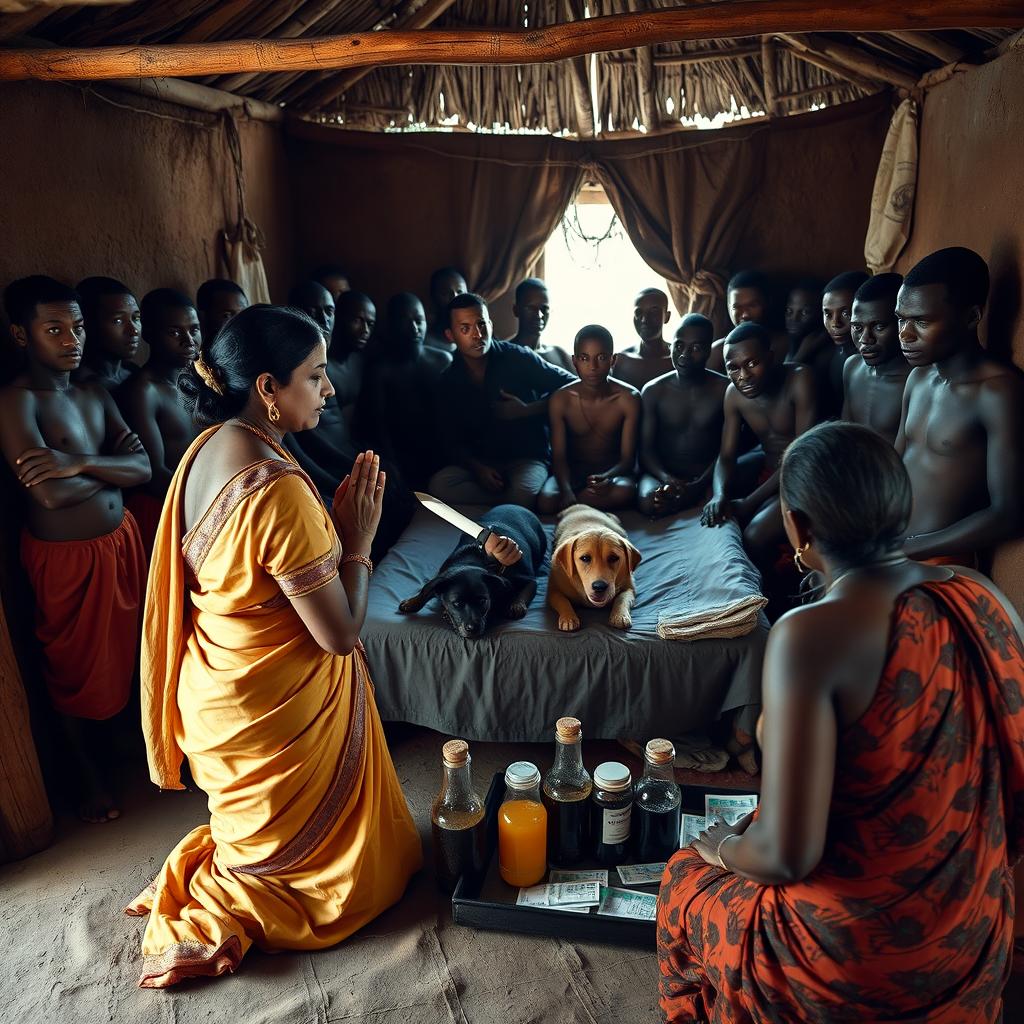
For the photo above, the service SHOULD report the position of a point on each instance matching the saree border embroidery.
(312, 834)
(200, 540)
(190, 960)
(303, 581)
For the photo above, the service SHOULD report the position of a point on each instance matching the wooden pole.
(856, 60)
(808, 56)
(26, 823)
(932, 45)
(725, 20)
(771, 89)
(668, 60)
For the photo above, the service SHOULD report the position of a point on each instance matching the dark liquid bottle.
(457, 821)
(656, 806)
(565, 792)
(611, 805)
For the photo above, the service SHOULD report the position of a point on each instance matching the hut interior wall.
(970, 191)
(93, 188)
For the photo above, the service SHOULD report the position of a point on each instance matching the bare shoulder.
(561, 396)
(812, 641)
(623, 392)
(718, 381)
(435, 358)
(658, 385)
(1001, 380)
(17, 399)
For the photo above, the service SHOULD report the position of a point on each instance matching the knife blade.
(450, 515)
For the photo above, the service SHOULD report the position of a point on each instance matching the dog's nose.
(599, 585)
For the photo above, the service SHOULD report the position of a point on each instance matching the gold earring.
(273, 413)
(798, 560)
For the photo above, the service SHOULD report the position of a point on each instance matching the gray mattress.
(512, 684)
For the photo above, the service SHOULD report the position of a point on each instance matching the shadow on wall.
(1004, 305)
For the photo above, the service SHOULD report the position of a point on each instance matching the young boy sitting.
(445, 284)
(873, 385)
(72, 453)
(836, 308)
(594, 423)
(151, 402)
(396, 408)
(492, 403)
(682, 424)
(641, 363)
(777, 403)
(532, 310)
(218, 301)
(113, 325)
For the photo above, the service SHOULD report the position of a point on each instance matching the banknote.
(641, 906)
(692, 825)
(594, 875)
(727, 808)
(560, 895)
(640, 874)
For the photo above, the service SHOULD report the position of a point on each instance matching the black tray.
(487, 902)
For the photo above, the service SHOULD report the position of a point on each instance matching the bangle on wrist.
(718, 851)
(361, 559)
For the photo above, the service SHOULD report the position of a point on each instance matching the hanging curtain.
(892, 202)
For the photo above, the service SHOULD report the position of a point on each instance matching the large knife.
(457, 519)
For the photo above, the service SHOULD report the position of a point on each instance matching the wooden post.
(771, 89)
(725, 20)
(26, 823)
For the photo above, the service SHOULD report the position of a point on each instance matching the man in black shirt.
(493, 414)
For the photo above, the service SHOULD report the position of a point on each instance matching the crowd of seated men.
(678, 422)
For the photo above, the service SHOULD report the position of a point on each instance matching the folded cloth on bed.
(722, 599)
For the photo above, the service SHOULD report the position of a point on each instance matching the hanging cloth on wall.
(243, 242)
(892, 202)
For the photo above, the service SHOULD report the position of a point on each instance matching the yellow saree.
(309, 835)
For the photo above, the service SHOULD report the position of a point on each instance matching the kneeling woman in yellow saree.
(253, 670)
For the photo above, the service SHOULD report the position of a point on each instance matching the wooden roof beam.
(854, 59)
(935, 47)
(724, 20)
(809, 56)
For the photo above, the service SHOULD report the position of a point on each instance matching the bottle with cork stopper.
(566, 791)
(657, 805)
(457, 820)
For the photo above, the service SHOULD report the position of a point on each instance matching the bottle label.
(615, 825)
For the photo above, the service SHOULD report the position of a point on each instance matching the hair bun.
(209, 376)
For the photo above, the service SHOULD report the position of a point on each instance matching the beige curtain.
(892, 202)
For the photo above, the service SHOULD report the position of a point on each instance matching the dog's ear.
(632, 554)
(562, 556)
(499, 588)
(427, 591)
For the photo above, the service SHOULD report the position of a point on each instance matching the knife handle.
(481, 537)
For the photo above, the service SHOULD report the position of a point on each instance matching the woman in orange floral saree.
(874, 883)
(253, 671)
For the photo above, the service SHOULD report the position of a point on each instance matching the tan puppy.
(591, 566)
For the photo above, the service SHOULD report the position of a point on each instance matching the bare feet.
(97, 806)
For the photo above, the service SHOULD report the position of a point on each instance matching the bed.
(516, 681)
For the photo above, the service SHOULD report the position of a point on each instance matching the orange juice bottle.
(522, 827)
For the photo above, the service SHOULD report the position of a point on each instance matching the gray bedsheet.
(512, 684)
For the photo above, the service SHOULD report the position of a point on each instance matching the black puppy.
(473, 588)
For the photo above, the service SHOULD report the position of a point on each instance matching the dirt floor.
(70, 955)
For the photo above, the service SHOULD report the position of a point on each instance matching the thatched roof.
(652, 88)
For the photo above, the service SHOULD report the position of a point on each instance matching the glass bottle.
(522, 827)
(565, 792)
(657, 805)
(611, 804)
(457, 820)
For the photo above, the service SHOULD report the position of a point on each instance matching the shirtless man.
(594, 427)
(836, 308)
(113, 325)
(72, 453)
(808, 340)
(963, 414)
(445, 284)
(355, 318)
(217, 301)
(396, 414)
(532, 311)
(641, 363)
(777, 403)
(682, 424)
(873, 385)
(315, 301)
(747, 296)
(152, 404)
(334, 278)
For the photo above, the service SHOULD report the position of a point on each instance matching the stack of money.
(717, 807)
(640, 906)
(640, 874)
(576, 897)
